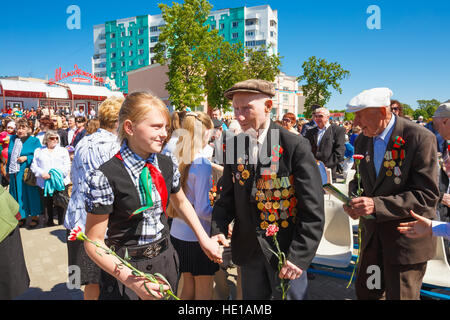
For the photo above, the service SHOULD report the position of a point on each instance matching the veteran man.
(398, 174)
(270, 178)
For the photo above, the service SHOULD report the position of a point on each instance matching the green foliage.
(201, 62)
(349, 116)
(407, 110)
(428, 107)
(319, 76)
(184, 44)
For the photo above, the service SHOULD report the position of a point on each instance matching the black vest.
(123, 230)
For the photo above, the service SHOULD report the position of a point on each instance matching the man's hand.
(446, 200)
(362, 206)
(290, 271)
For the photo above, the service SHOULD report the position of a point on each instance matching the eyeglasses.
(53, 138)
(286, 120)
(394, 109)
(80, 121)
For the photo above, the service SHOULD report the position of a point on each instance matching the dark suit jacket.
(417, 191)
(331, 150)
(78, 138)
(299, 241)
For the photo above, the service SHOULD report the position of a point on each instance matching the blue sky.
(410, 54)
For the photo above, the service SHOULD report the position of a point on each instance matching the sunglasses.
(286, 120)
(80, 121)
(394, 109)
(53, 138)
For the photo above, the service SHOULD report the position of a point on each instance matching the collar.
(386, 133)
(262, 134)
(324, 128)
(132, 159)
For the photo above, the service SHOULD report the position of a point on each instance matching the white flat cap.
(372, 98)
(443, 111)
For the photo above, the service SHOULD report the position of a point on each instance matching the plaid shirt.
(100, 192)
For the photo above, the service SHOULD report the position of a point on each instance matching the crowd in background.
(37, 163)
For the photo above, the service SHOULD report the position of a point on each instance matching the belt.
(149, 251)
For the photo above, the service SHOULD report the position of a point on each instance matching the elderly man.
(398, 174)
(270, 178)
(327, 140)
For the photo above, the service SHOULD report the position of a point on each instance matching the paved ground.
(46, 257)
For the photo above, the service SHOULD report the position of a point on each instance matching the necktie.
(150, 175)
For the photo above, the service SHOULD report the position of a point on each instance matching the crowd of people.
(177, 193)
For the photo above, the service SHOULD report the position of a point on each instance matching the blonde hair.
(108, 112)
(191, 141)
(135, 107)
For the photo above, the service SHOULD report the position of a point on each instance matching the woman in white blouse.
(196, 181)
(50, 156)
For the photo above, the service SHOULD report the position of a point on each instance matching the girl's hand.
(137, 285)
(416, 229)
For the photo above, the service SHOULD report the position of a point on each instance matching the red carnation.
(272, 230)
(358, 157)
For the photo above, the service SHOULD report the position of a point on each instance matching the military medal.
(260, 206)
(264, 225)
(240, 167)
(268, 205)
(277, 194)
(272, 217)
(285, 193)
(245, 174)
(389, 173)
(286, 204)
(285, 224)
(283, 215)
(276, 205)
(397, 180)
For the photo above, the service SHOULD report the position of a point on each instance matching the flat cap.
(251, 86)
(372, 98)
(443, 111)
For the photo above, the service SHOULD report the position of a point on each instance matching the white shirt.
(70, 134)
(198, 185)
(321, 133)
(259, 139)
(44, 160)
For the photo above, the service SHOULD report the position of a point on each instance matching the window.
(130, 33)
(154, 29)
(131, 62)
(113, 55)
(141, 41)
(122, 34)
(122, 54)
(273, 23)
(113, 75)
(130, 53)
(250, 33)
(113, 44)
(141, 62)
(250, 22)
(140, 31)
(273, 34)
(235, 35)
(153, 39)
(113, 64)
(113, 35)
(130, 43)
(123, 74)
(140, 51)
(235, 24)
(122, 64)
(213, 27)
(222, 26)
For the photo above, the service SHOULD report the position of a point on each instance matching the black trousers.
(50, 209)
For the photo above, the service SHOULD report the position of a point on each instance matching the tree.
(319, 76)
(228, 66)
(223, 71)
(428, 106)
(407, 110)
(261, 64)
(184, 43)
